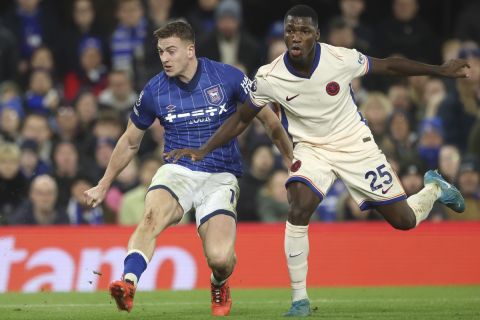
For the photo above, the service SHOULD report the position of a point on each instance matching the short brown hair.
(180, 29)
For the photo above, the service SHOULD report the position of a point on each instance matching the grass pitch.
(424, 303)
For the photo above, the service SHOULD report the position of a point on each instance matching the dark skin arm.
(456, 68)
(237, 123)
(231, 128)
(277, 134)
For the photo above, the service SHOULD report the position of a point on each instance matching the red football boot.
(123, 293)
(221, 300)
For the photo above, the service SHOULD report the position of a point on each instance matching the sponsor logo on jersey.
(170, 108)
(199, 116)
(332, 88)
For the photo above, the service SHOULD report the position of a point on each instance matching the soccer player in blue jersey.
(192, 97)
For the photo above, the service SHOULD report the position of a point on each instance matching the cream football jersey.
(319, 108)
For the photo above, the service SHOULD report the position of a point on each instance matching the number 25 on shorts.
(379, 174)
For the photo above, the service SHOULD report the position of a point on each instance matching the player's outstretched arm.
(227, 131)
(456, 68)
(277, 134)
(126, 148)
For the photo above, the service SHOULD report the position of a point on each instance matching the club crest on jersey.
(214, 95)
(295, 166)
(332, 88)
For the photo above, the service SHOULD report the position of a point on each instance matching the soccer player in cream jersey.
(311, 82)
(191, 98)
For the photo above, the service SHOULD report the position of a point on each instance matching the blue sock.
(134, 265)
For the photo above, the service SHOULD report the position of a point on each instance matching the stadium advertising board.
(351, 254)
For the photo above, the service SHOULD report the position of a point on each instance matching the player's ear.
(317, 35)
(191, 50)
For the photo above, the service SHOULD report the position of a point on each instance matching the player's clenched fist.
(193, 154)
(455, 68)
(95, 195)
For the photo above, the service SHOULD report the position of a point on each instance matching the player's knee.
(220, 260)
(298, 215)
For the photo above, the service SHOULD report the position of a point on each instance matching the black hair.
(303, 11)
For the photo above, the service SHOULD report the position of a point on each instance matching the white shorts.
(209, 193)
(356, 160)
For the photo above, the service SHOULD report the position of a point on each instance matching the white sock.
(296, 252)
(131, 277)
(215, 282)
(422, 202)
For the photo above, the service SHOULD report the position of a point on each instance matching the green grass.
(328, 303)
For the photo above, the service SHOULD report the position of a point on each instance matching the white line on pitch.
(149, 304)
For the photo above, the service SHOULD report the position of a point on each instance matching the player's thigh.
(161, 209)
(398, 214)
(215, 207)
(369, 177)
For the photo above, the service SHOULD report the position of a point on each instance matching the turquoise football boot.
(450, 196)
(300, 308)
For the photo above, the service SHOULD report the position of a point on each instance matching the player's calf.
(399, 215)
(298, 216)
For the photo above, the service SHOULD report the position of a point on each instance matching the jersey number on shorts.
(374, 175)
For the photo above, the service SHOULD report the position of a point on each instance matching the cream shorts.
(209, 194)
(357, 161)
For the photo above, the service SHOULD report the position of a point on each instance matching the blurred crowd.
(66, 91)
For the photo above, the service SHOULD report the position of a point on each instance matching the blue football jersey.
(192, 112)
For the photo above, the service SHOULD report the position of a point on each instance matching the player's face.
(300, 37)
(175, 55)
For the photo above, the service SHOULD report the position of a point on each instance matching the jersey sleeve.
(143, 114)
(240, 83)
(357, 63)
(261, 92)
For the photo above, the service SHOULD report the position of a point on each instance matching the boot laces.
(217, 294)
